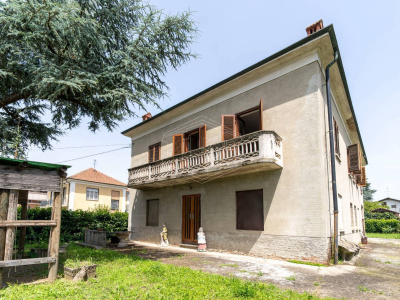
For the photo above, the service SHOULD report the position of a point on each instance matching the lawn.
(121, 276)
(384, 235)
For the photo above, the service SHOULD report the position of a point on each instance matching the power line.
(91, 146)
(93, 154)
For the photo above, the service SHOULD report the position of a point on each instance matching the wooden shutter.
(336, 129)
(354, 161)
(115, 195)
(229, 124)
(151, 154)
(202, 136)
(157, 148)
(261, 114)
(362, 179)
(177, 144)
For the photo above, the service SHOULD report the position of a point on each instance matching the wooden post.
(54, 243)
(11, 216)
(23, 199)
(4, 194)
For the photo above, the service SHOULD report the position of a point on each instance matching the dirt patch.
(373, 274)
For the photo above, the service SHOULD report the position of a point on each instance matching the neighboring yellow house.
(90, 188)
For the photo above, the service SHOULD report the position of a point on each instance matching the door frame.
(184, 241)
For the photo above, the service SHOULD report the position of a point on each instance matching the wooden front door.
(191, 218)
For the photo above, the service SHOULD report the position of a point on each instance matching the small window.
(114, 204)
(394, 206)
(336, 129)
(249, 210)
(154, 152)
(92, 194)
(152, 212)
(352, 215)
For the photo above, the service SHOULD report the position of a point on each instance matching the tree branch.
(10, 99)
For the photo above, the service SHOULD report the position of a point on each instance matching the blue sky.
(236, 34)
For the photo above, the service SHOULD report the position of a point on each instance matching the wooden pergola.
(17, 177)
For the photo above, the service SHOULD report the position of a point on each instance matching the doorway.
(191, 218)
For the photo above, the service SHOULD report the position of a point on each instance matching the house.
(393, 204)
(36, 198)
(90, 188)
(248, 159)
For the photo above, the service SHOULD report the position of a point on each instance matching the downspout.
(333, 162)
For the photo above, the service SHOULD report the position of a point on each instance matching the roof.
(31, 164)
(388, 198)
(93, 175)
(329, 29)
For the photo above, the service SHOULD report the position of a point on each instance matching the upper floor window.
(92, 194)
(154, 152)
(336, 130)
(242, 123)
(189, 141)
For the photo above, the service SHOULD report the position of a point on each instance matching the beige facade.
(76, 195)
(296, 190)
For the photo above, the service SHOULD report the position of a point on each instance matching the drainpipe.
(333, 163)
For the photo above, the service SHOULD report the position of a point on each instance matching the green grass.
(363, 288)
(306, 263)
(229, 265)
(291, 278)
(121, 276)
(384, 235)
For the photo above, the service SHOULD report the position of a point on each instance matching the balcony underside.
(212, 173)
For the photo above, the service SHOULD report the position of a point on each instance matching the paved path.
(374, 274)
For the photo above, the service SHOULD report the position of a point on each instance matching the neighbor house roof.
(329, 29)
(388, 198)
(31, 164)
(93, 175)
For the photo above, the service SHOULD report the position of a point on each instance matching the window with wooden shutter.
(362, 179)
(154, 152)
(202, 136)
(352, 215)
(249, 210)
(354, 159)
(177, 144)
(152, 212)
(336, 129)
(229, 124)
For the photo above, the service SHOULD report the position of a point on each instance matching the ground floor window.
(152, 212)
(114, 204)
(92, 194)
(250, 210)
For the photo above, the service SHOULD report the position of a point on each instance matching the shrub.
(74, 222)
(377, 215)
(382, 226)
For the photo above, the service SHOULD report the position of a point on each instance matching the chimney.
(315, 27)
(146, 116)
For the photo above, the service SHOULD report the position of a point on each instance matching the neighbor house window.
(152, 212)
(92, 194)
(114, 204)
(154, 152)
(394, 206)
(249, 210)
(336, 129)
(115, 200)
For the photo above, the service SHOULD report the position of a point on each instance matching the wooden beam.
(23, 200)
(54, 243)
(27, 223)
(11, 216)
(27, 262)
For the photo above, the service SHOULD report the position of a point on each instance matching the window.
(242, 123)
(114, 204)
(152, 212)
(92, 194)
(336, 130)
(394, 206)
(352, 215)
(355, 215)
(154, 152)
(189, 141)
(249, 210)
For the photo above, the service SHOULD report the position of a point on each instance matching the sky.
(236, 34)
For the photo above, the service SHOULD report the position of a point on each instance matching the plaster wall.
(80, 201)
(296, 206)
(390, 203)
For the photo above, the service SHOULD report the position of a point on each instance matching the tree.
(370, 205)
(71, 59)
(368, 193)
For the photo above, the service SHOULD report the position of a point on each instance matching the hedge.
(378, 215)
(382, 226)
(73, 223)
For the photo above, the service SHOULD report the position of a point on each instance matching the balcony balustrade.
(254, 152)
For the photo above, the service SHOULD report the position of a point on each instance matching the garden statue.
(201, 240)
(164, 236)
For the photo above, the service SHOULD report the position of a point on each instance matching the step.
(188, 246)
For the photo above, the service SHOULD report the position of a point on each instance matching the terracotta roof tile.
(96, 176)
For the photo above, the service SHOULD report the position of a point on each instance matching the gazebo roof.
(32, 164)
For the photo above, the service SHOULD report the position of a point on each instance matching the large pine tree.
(69, 59)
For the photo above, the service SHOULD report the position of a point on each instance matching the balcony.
(254, 152)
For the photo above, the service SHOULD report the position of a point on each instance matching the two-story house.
(393, 204)
(248, 160)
